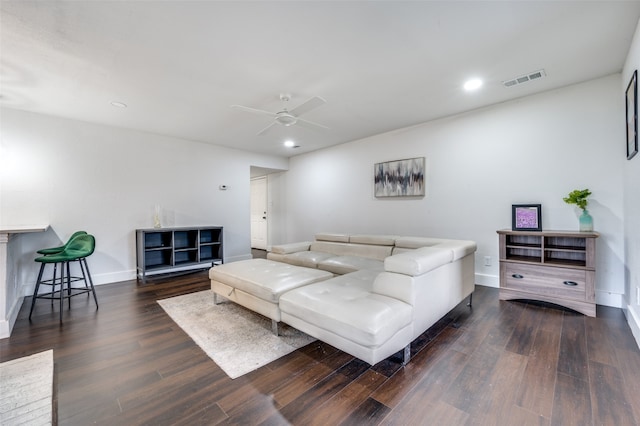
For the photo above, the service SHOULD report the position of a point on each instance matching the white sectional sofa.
(382, 291)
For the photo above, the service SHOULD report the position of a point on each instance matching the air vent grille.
(524, 78)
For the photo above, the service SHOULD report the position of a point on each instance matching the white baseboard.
(633, 318)
(488, 280)
(113, 277)
(12, 314)
(238, 258)
(5, 330)
(606, 298)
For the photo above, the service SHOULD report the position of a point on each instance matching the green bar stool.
(55, 250)
(76, 250)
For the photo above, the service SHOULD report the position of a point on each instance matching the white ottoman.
(257, 284)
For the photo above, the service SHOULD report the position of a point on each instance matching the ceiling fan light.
(286, 119)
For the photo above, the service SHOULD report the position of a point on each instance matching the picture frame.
(399, 178)
(526, 217)
(631, 96)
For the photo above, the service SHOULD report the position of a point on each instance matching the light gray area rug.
(235, 338)
(26, 390)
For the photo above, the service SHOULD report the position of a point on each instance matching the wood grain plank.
(521, 417)
(508, 316)
(370, 412)
(524, 333)
(536, 391)
(301, 410)
(467, 388)
(309, 378)
(339, 407)
(496, 402)
(629, 362)
(416, 405)
(425, 363)
(430, 413)
(265, 383)
(610, 405)
(572, 402)
(573, 358)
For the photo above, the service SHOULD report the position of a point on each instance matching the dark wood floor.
(498, 363)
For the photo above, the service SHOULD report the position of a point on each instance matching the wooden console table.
(550, 266)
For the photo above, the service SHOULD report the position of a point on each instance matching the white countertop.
(19, 229)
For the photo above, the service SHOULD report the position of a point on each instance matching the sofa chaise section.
(372, 315)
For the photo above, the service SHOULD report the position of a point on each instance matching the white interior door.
(259, 213)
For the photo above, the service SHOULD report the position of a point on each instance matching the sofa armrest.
(291, 247)
(418, 261)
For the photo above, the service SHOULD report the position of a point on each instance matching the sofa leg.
(274, 327)
(406, 356)
(215, 299)
(470, 300)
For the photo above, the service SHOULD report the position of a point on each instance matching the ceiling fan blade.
(310, 124)
(266, 128)
(253, 110)
(307, 106)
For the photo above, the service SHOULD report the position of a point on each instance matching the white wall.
(532, 150)
(631, 212)
(106, 181)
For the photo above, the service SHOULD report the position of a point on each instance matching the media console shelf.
(550, 266)
(163, 250)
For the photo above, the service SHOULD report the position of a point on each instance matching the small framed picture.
(632, 116)
(526, 217)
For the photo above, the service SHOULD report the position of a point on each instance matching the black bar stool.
(76, 250)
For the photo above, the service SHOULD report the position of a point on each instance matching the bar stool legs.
(78, 248)
(93, 289)
(64, 279)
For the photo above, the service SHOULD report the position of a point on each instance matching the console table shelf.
(550, 266)
(163, 250)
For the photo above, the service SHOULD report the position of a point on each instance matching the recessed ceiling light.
(119, 104)
(473, 84)
(289, 144)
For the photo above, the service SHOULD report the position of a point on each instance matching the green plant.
(578, 197)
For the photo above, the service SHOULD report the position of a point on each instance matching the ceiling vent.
(524, 78)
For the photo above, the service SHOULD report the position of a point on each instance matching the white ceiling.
(180, 65)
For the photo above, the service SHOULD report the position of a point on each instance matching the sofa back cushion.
(347, 249)
(337, 238)
(378, 240)
(291, 247)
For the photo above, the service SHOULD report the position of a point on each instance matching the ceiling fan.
(286, 117)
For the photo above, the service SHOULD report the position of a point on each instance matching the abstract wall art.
(399, 178)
